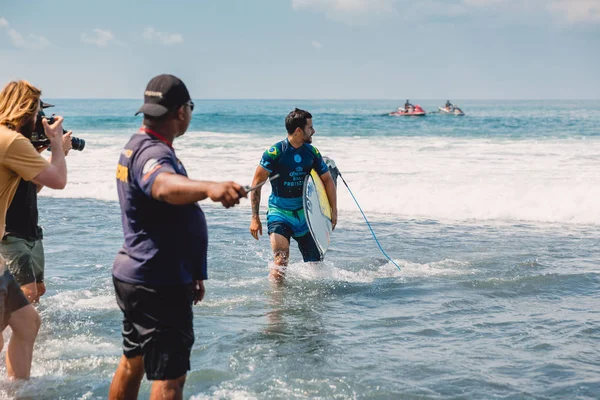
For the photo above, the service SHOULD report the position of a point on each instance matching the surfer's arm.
(331, 196)
(260, 175)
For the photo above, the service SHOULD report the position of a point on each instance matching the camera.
(39, 139)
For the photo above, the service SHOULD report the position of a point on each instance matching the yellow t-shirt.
(18, 159)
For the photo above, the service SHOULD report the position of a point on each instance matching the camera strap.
(156, 135)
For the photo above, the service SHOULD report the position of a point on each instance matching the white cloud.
(317, 45)
(577, 10)
(99, 37)
(31, 42)
(164, 38)
(571, 11)
(344, 8)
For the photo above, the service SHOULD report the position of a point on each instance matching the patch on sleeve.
(315, 150)
(273, 152)
(150, 167)
(151, 163)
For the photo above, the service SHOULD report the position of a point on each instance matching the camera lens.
(78, 144)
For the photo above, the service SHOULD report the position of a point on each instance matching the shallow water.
(497, 238)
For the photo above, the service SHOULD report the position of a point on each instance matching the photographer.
(21, 245)
(19, 107)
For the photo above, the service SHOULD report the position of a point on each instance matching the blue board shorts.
(292, 224)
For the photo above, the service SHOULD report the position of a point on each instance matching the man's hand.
(228, 193)
(256, 227)
(66, 141)
(333, 218)
(198, 291)
(54, 132)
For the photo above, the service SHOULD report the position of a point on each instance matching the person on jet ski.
(408, 107)
(449, 106)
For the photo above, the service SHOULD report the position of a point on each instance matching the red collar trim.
(156, 135)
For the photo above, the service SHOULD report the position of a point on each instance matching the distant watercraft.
(453, 110)
(417, 111)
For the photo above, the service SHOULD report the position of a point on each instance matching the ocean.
(494, 219)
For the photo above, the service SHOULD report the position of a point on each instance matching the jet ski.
(417, 111)
(454, 110)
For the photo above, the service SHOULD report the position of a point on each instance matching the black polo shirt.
(165, 244)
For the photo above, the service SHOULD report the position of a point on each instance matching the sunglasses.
(191, 104)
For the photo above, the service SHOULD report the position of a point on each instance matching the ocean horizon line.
(337, 99)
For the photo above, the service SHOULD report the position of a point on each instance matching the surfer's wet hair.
(296, 119)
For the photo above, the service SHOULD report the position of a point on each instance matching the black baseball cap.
(43, 104)
(163, 93)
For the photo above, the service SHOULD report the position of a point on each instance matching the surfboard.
(317, 211)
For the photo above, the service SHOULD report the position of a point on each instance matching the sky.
(306, 49)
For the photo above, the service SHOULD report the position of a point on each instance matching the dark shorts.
(157, 324)
(24, 258)
(292, 224)
(11, 298)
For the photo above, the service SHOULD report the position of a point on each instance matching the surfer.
(293, 159)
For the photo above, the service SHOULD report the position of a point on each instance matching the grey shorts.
(24, 259)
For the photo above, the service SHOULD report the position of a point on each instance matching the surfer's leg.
(281, 254)
(306, 243)
(280, 231)
(308, 248)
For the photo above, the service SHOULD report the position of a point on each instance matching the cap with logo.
(163, 93)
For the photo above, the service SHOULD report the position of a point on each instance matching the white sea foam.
(224, 393)
(83, 300)
(410, 177)
(327, 271)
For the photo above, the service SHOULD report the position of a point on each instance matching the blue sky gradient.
(310, 49)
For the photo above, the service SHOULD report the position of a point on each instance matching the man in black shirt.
(21, 245)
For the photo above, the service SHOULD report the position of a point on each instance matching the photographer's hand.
(66, 141)
(54, 132)
(55, 175)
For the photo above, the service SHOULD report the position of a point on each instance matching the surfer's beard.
(308, 138)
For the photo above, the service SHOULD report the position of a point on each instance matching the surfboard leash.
(367, 221)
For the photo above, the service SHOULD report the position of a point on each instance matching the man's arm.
(178, 189)
(331, 195)
(67, 146)
(260, 175)
(55, 175)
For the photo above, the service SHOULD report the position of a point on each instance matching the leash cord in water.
(368, 224)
